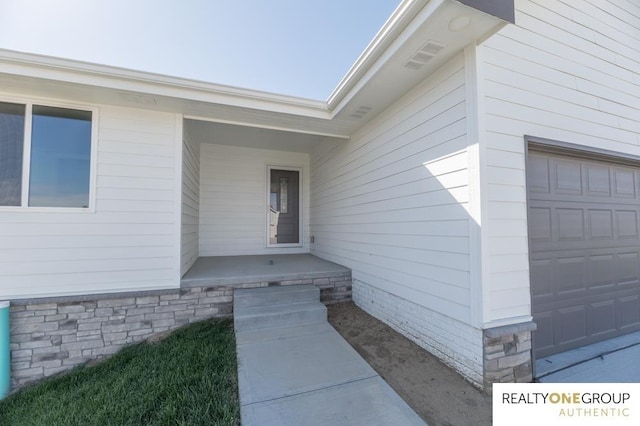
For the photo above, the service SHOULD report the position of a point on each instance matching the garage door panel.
(570, 274)
(584, 238)
(568, 177)
(573, 248)
(600, 224)
(570, 224)
(624, 183)
(542, 272)
(626, 224)
(600, 272)
(538, 174)
(598, 183)
(629, 308)
(544, 339)
(540, 224)
(627, 268)
(602, 317)
(571, 325)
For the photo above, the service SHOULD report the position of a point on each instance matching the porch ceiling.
(250, 137)
(392, 64)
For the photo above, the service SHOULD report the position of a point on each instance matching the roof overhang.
(378, 78)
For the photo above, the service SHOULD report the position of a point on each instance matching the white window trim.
(26, 154)
(300, 205)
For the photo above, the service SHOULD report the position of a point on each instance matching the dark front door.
(284, 215)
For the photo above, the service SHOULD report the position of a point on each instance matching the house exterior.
(477, 170)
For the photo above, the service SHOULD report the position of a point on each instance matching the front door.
(284, 207)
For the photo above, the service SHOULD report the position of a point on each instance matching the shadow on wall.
(396, 210)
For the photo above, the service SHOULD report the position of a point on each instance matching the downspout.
(5, 354)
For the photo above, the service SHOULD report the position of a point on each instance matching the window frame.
(26, 154)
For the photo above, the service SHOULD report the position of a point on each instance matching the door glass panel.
(284, 214)
(284, 197)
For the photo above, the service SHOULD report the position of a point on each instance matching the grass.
(188, 378)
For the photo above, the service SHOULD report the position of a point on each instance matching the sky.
(294, 47)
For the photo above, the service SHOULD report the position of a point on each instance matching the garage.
(584, 245)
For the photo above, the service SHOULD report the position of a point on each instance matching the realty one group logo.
(552, 404)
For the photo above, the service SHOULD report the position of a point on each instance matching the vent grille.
(361, 112)
(138, 99)
(427, 52)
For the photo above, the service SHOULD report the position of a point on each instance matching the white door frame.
(268, 204)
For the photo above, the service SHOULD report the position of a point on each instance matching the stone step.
(270, 296)
(266, 317)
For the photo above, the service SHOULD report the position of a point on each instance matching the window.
(55, 151)
(11, 143)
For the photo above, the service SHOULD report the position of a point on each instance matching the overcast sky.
(294, 47)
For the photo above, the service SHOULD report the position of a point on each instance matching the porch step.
(278, 295)
(274, 307)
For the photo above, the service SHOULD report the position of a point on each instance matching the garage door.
(584, 221)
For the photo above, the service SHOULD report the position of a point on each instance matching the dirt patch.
(437, 393)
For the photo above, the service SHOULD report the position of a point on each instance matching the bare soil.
(436, 392)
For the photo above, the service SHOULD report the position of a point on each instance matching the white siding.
(390, 203)
(233, 199)
(454, 342)
(190, 203)
(569, 71)
(127, 243)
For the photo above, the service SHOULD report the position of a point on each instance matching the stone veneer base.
(507, 354)
(455, 343)
(51, 335)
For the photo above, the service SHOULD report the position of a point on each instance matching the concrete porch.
(231, 272)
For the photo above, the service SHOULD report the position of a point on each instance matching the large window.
(45, 156)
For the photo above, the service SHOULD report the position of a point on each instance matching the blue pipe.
(5, 354)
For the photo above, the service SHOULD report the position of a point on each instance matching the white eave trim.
(397, 22)
(79, 72)
(265, 126)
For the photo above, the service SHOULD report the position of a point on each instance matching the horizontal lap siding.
(233, 199)
(126, 244)
(568, 71)
(190, 203)
(390, 203)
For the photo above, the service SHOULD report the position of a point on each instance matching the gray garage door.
(584, 222)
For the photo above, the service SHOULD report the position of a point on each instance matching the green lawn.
(189, 378)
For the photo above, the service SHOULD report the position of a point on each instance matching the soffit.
(379, 77)
(250, 137)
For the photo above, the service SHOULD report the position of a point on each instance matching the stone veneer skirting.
(494, 355)
(507, 354)
(52, 335)
(455, 343)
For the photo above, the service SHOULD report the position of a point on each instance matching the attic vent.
(361, 111)
(424, 55)
(138, 99)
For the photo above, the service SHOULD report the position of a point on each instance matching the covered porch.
(251, 271)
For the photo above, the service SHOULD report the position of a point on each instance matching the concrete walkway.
(295, 369)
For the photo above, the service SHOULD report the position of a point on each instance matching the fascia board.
(397, 22)
(78, 72)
